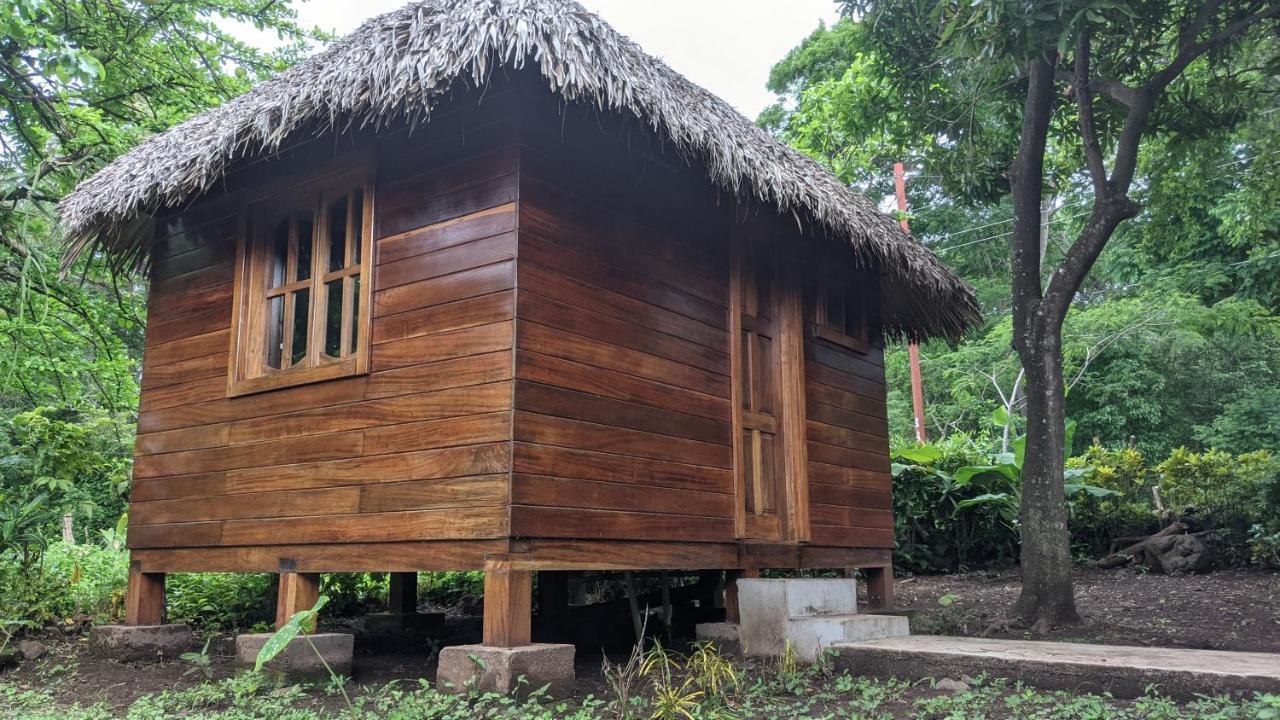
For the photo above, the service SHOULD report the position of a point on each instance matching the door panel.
(760, 470)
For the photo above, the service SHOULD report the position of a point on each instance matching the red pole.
(913, 350)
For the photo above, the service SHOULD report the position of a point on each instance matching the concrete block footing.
(141, 643)
(521, 669)
(809, 614)
(300, 660)
(724, 635)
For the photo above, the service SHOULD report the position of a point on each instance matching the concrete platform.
(299, 660)
(522, 669)
(1121, 670)
(724, 635)
(141, 643)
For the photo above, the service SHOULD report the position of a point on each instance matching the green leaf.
(1073, 489)
(303, 621)
(923, 454)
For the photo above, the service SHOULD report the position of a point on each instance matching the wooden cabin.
(461, 294)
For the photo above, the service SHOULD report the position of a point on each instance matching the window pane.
(279, 252)
(275, 330)
(835, 308)
(762, 374)
(768, 475)
(305, 240)
(338, 234)
(764, 290)
(301, 318)
(853, 314)
(357, 227)
(355, 311)
(333, 318)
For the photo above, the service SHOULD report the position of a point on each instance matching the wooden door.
(759, 467)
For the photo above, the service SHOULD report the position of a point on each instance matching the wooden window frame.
(248, 371)
(838, 332)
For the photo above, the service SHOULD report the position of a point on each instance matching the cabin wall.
(850, 487)
(419, 448)
(622, 427)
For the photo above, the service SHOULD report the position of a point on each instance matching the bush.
(945, 526)
(1096, 521)
(220, 601)
(69, 581)
(448, 587)
(354, 593)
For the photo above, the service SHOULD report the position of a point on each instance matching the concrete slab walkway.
(1124, 671)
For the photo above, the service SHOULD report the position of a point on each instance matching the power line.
(1005, 234)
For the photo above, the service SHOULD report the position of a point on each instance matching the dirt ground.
(1224, 610)
(1227, 610)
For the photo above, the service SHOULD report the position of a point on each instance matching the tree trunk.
(1047, 594)
(1037, 336)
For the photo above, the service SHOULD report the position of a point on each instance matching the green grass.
(764, 692)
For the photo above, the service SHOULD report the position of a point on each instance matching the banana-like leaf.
(923, 454)
(302, 621)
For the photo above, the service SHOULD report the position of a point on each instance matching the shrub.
(354, 593)
(69, 581)
(1098, 520)
(448, 587)
(220, 601)
(945, 526)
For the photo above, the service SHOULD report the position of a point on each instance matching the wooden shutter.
(759, 462)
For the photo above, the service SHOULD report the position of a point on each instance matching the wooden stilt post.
(298, 592)
(508, 604)
(144, 598)
(879, 587)
(403, 596)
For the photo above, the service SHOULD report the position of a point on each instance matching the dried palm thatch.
(397, 66)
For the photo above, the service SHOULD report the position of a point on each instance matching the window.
(839, 312)
(302, 286)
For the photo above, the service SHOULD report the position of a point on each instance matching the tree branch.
(1187, 53)
(1027, 175)
(1088, 131)
(1115, 90)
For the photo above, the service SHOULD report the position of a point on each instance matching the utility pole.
(913, 350)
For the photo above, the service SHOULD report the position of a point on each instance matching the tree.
(81, 81)
(1037, 102)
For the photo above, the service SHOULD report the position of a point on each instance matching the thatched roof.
(397, 66)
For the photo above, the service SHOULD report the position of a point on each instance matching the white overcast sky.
(727, 46)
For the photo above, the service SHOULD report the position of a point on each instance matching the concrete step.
(1123, 671)
(810, 635)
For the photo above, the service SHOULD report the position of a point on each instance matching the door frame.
(790, 520)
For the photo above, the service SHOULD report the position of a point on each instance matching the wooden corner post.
(508, 604)
(298, 592)
(879, 587)
(144, 598)
(403, 593)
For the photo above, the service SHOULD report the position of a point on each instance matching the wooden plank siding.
(622, 425)
(850, 488)
(549, 369)
(416, 450)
